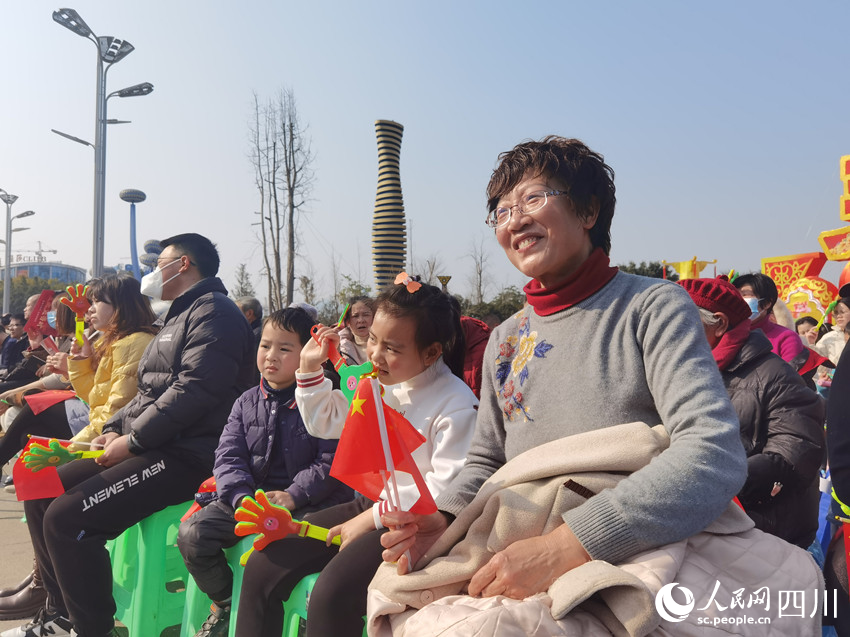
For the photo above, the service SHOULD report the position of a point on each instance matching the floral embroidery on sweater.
(515, 354)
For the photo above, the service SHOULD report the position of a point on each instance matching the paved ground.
(15, 545)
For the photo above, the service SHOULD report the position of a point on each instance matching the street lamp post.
(7, 269)
(109, 51)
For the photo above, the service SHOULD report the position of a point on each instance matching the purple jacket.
(245, 447)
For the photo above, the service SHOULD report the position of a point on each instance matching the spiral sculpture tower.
(389, 233)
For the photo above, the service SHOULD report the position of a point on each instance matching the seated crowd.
(684, 416)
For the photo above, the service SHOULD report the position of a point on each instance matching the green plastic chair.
(149, 576)
(197, 606)
(295, 608)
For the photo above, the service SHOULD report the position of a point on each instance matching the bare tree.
(429, 269)
(282, 160)
(307, 284)
(479, 279)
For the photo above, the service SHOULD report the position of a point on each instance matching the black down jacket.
(190, 375)
(782, 432)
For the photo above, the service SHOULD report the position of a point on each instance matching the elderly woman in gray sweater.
(593, 348)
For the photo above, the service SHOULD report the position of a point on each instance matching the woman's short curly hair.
(581, 172)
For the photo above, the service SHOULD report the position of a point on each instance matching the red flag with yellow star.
(36, 483)
(360, 455)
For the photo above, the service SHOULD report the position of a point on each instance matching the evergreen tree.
(243, 286)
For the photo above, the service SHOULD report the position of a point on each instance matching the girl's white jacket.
(436, 402)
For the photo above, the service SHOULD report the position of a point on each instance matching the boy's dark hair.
(581, 172)
(762, 285)
(17, 316)
(200, 250)
(292, 319)
(435, 315)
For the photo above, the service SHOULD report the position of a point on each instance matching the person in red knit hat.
(781, 419)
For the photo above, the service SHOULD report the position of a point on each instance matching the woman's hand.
(281, 499)
(58, 363)
(410, 532)
(353, 529)
(314, 353)
(80, 352)
(529, 566)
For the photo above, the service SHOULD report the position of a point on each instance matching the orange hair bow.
(404, 279)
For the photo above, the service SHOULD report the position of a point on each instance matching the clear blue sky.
(724, 121)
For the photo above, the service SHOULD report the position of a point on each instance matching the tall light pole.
(134, 197)
(7, 269)
(109, 51)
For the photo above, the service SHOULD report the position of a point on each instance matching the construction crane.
(40, 252)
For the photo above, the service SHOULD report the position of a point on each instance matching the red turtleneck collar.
(591, 276)
(730, 344)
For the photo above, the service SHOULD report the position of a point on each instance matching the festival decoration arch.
(797, 276)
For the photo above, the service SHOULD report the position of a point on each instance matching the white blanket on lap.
(526, 497)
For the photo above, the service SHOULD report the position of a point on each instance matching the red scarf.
(591, 276)
(730, 344)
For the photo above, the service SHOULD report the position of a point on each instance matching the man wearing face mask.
(158, 448)
(760, 293)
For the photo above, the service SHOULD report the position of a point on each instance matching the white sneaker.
(42, 625)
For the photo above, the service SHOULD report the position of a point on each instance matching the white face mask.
(754, 306)
(152, 283)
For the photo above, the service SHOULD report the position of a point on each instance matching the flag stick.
(391, 489)
(71, 442)
(392, 493)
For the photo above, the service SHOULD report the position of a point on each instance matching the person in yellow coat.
(103, 373)
(102, 370)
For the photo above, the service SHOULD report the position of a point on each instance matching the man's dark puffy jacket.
(189, 376)
(242, 460)
(782, 432)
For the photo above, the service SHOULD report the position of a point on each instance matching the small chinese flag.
(31, 485)
(40, 401)
(360, 458)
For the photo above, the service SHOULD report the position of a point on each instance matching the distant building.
(389, 231)
(40, 267)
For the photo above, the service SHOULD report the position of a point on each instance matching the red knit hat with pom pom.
(718, 295)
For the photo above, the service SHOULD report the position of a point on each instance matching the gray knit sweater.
(634, 351)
